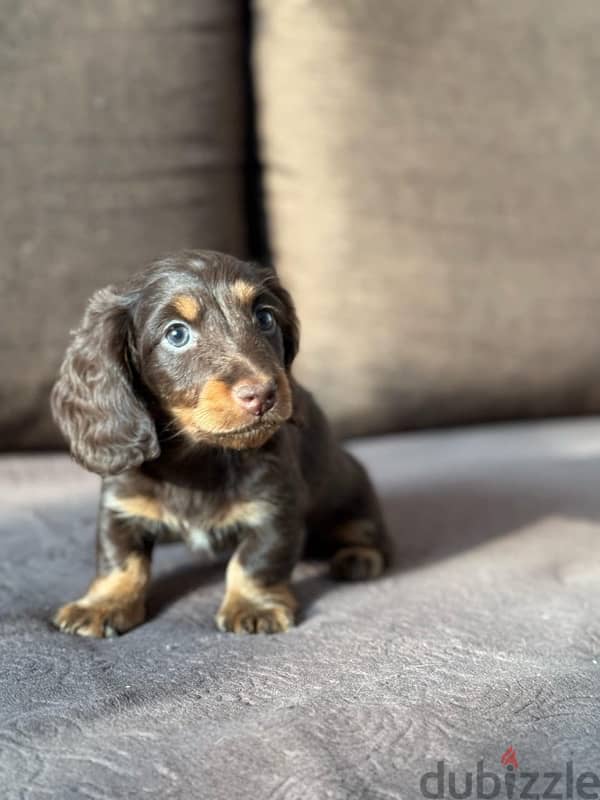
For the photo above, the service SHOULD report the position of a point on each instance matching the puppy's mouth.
(261, 426)
(269, 421)
(221, 419)
(240, 438)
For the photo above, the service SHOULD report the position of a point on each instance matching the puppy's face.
(211, 349)
(200, 339)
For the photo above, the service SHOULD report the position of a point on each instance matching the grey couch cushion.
(485, 633)
(432, 202)
(122, 138)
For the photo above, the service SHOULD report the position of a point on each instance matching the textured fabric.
(122, 138)
(432, 200)
(485, 633)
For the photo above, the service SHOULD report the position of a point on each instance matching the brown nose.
(257, 398)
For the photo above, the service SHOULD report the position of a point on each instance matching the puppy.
(177, 389)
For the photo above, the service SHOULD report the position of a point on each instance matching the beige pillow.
(433, 196)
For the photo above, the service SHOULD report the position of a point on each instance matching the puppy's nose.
(257, 398)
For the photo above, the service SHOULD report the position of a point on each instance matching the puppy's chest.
(209, 521)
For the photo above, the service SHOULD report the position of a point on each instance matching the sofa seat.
(484, 634)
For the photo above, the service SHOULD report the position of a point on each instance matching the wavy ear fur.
(288, 321)
(93, 402)
(290, 326)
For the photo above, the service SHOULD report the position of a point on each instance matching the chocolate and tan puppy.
(177, 390)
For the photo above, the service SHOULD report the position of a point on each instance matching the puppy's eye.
(265, 319)
(178, 334)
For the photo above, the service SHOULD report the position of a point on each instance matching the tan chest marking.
(251, 513)
(152, 510)
(143, 506)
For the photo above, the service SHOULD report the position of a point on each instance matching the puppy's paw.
(357, 563)
(99, 619)
(244, 616)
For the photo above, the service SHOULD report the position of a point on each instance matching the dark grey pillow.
(122, 138)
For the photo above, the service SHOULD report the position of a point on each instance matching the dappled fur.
(183, 457)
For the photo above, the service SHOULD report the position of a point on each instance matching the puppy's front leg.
(115, 600)
(257, 596)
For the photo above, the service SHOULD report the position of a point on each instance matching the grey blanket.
(484, 635)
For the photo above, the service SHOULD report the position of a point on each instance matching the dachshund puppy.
(177, 390)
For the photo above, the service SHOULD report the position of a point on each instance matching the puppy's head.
(201, 340)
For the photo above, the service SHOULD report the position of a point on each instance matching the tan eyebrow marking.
(243, 291)
(187, 306)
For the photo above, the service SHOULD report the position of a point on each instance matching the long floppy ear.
(290, 326)
(108, 428)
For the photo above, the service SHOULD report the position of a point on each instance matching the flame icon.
(509, 757)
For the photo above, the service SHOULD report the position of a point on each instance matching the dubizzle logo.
(509, 757)
(511, 784)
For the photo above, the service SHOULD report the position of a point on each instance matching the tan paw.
(99, 618)
(357, 563)
(247, 617)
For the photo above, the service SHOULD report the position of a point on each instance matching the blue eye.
(178, 334)
(265, 319)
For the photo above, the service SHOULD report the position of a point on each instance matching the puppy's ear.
(108, 428)
(290, 325)
(288, 319)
